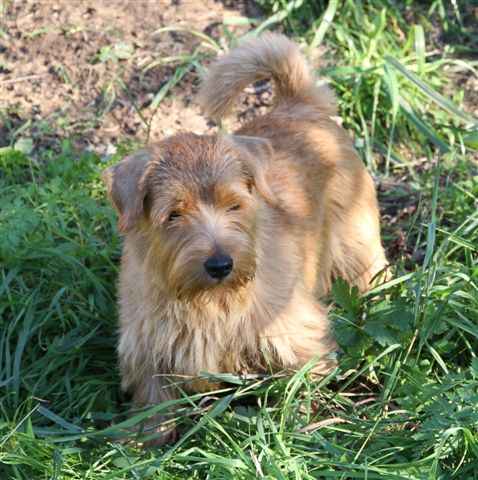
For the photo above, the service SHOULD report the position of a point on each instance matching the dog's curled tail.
(270, 56)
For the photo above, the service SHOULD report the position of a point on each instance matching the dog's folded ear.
(256, 154)
(127, 188)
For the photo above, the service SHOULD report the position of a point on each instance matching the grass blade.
(439, 99)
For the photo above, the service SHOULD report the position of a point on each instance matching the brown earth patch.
(91, 70)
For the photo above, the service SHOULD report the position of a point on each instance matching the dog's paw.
(155, 432)
(161, 437)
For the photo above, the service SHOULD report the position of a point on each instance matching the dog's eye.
(173, 216)
(250, 184)
(234, 208)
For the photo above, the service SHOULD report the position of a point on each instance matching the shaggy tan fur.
(286, 197)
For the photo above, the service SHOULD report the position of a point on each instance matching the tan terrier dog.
(230, 240)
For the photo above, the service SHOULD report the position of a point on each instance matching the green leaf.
(419, 37)
(119, 51)
(474, 366)
(123, 50)
(471, 140)
(24, 145)
(69, 427)
(381, 332)
(346, 296)
(439, 99)
(325, 23)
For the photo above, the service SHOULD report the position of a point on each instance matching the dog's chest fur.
(185, 339)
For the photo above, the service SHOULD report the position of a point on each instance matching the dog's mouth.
(210, 289)
(233, 281)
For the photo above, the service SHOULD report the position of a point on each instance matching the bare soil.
(88, 70)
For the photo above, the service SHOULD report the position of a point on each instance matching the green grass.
(404, 402)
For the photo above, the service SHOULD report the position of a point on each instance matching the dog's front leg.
(151, 390)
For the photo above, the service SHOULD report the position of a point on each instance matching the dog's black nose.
(218, 266)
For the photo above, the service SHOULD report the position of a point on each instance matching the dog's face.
(195, 200)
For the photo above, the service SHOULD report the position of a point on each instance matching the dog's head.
(196, 201)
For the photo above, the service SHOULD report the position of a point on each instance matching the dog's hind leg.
(353, 226)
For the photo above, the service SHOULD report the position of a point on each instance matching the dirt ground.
(88, 70)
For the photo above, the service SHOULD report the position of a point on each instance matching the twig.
(22, 79)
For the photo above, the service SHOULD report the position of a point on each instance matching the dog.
(230, 240)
